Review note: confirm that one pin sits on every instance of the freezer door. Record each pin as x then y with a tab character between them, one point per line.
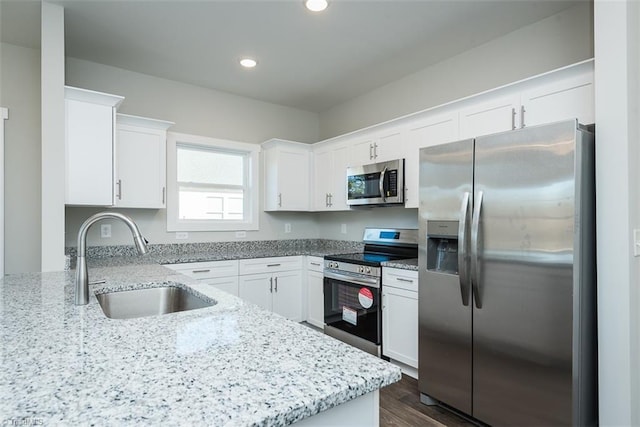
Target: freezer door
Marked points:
446	176
522	266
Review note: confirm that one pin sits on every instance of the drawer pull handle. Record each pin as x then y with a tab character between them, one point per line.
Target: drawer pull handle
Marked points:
273	265
400	279
317	264
201	271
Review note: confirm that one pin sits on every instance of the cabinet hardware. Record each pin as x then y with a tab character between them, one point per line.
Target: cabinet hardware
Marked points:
375	150
276	280
326	200
317	264
119	194
163	192
201	271
400	279
522	111
513	119
271	285
330	199
279	200
370	151
273	265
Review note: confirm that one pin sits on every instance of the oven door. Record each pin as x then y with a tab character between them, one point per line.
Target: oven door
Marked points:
352	306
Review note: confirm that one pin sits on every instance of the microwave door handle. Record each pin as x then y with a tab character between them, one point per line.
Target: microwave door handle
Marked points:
381	184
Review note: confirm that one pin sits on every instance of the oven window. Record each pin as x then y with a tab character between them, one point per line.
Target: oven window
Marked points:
352	308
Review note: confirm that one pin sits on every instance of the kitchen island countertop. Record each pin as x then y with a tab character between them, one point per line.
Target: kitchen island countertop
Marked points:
230	364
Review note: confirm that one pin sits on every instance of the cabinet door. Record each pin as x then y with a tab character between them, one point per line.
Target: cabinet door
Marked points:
293	180
389	145
287	295
287	177
338	193
226	284
322	178
140	167
315	299
362	151
400	325
256	288
89	153
565	99
487	117
434	130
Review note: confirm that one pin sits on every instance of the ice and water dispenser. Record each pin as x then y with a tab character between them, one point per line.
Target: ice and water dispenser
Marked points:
442	246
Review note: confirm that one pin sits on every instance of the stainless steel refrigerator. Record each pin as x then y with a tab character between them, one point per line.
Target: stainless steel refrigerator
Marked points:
507	276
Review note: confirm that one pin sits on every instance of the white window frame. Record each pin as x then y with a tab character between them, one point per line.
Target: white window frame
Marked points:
250	222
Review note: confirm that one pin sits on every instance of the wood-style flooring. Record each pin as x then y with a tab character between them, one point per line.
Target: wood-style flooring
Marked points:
400	407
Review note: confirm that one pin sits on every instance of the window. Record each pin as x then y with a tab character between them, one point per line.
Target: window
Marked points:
212	184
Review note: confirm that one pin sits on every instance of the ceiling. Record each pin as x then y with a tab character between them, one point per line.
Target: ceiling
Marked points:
310	61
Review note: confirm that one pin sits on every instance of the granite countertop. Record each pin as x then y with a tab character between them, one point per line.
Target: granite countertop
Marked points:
108	256
230	364
405	264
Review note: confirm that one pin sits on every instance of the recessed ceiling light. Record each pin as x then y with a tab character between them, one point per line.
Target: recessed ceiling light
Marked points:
248	62
316	5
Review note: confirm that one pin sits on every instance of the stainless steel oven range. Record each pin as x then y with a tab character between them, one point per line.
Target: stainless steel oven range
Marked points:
352	282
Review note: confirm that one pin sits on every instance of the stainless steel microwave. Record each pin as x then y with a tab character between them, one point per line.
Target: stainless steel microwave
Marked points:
376	184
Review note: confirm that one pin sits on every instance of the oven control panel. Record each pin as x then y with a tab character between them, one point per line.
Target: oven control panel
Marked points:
347	267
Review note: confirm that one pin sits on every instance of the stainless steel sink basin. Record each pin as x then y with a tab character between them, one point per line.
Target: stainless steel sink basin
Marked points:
149	302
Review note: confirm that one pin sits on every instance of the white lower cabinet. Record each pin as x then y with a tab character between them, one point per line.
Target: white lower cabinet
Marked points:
274	284
315	292
221	275
400	316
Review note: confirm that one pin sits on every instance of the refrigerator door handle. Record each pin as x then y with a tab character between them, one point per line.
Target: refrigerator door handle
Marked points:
475	265
381	184
463	246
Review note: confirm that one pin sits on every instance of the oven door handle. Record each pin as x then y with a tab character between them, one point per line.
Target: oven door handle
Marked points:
372	282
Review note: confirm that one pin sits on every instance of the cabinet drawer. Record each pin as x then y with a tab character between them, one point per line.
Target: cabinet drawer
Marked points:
227	284
269	265
207	269
400	278
315	263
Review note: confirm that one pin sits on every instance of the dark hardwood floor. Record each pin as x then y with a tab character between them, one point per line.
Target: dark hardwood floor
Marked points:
400	407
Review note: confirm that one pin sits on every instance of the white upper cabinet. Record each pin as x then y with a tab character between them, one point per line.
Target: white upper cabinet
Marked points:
89	146
330	162
570	97
424	132
141	146
499	114
287	167
380	146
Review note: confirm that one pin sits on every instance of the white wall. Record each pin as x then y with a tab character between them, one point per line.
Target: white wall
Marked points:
199	111
617	67
551	43
53	124
330	223
194	109
20	93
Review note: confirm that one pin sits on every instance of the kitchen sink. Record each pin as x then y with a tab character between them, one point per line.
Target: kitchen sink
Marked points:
150	302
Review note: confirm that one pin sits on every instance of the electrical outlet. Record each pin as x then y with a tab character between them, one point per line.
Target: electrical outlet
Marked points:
241	234
105	231
287	228
343	228
182	235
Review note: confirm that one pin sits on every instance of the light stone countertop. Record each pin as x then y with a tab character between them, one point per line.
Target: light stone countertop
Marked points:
231	364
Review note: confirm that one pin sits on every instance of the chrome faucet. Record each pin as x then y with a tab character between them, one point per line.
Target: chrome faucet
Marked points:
82	276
